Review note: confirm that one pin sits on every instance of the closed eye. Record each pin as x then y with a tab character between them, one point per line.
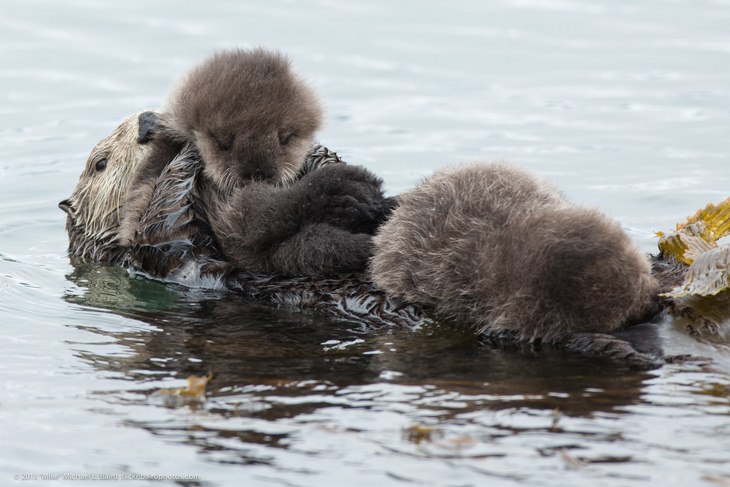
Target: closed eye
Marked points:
285	137
223	143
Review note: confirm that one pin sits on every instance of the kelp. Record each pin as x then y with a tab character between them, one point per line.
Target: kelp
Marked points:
686	243
191	395
716	218
695	243
708	275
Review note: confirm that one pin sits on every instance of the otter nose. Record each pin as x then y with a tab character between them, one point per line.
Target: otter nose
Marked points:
65	205
256	171
258	174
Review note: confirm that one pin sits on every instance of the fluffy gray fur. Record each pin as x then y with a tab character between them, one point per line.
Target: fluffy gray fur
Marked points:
513	256
248	114
321	224
253	120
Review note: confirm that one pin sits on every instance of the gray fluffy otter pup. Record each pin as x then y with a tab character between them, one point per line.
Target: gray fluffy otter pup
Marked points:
495	247
253	120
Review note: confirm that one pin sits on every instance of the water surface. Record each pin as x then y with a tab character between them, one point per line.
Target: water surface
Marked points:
625	105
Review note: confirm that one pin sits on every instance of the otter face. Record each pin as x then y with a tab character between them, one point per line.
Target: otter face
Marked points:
261	154
249	116
94	209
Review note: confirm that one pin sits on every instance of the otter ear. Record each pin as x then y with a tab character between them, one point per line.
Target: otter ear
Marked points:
147	121
65	205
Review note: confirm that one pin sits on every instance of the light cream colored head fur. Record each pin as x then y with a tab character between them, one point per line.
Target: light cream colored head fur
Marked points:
95	208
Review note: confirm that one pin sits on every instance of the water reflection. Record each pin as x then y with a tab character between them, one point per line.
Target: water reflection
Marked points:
280	370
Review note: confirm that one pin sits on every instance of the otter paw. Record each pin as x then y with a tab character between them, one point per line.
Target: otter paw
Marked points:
347	197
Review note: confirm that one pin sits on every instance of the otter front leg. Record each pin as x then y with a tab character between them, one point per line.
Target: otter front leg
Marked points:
321	249
262	229
142	187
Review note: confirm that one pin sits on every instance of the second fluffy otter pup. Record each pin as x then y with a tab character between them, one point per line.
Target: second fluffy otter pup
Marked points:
494	247
253	120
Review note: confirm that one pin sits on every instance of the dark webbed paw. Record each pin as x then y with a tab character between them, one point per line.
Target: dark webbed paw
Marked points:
344	196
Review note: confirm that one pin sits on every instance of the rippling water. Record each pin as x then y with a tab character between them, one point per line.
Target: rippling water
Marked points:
625	105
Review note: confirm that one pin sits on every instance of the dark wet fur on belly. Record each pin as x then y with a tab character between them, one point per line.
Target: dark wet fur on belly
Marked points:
173	230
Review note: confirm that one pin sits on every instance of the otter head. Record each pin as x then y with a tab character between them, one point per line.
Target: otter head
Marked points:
249	116
94	209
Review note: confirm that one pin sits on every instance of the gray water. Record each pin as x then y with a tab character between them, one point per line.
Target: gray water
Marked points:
623	104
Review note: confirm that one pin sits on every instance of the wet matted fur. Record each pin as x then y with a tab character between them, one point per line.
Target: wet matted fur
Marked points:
94	209
496	248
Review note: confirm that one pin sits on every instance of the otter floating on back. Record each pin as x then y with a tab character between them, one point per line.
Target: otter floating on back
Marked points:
176	234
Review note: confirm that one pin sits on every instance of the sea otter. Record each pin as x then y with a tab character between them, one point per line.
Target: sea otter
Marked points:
253	120
494	247
177	235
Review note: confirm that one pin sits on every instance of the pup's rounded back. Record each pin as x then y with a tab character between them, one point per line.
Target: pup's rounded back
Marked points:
495	248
